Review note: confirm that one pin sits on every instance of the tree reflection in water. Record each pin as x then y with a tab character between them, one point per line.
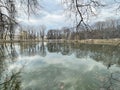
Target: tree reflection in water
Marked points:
104	53
108	55
31	49
9	80
8	53
42	50
111	82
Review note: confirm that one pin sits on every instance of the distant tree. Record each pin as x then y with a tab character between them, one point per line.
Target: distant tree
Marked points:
42	32
65	33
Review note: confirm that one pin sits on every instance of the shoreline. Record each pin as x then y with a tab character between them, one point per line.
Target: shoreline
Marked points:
115	41
101	41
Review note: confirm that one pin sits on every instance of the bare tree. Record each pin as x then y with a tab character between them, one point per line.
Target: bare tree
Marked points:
82	9
8	10
66	33
42	31
32	6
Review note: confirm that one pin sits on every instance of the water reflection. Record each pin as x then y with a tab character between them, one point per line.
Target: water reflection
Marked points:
11	81
31	49
111	82
7	54
105	53
59	66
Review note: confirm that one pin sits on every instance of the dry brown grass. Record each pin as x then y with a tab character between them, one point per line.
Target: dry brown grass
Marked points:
101	41
86	41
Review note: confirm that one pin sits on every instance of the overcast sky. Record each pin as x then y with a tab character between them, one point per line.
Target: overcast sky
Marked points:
53	16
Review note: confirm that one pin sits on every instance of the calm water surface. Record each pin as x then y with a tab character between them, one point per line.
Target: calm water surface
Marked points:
56	66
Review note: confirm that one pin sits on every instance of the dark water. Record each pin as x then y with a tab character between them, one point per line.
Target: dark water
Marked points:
57	66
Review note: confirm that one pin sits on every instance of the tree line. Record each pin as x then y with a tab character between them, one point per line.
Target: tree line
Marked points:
32	33
99	30
79	9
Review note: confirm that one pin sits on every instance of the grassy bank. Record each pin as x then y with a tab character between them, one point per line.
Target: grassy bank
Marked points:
99	41
18	41
86	41
94	41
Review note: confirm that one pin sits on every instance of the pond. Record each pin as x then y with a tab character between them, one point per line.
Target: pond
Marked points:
59	66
